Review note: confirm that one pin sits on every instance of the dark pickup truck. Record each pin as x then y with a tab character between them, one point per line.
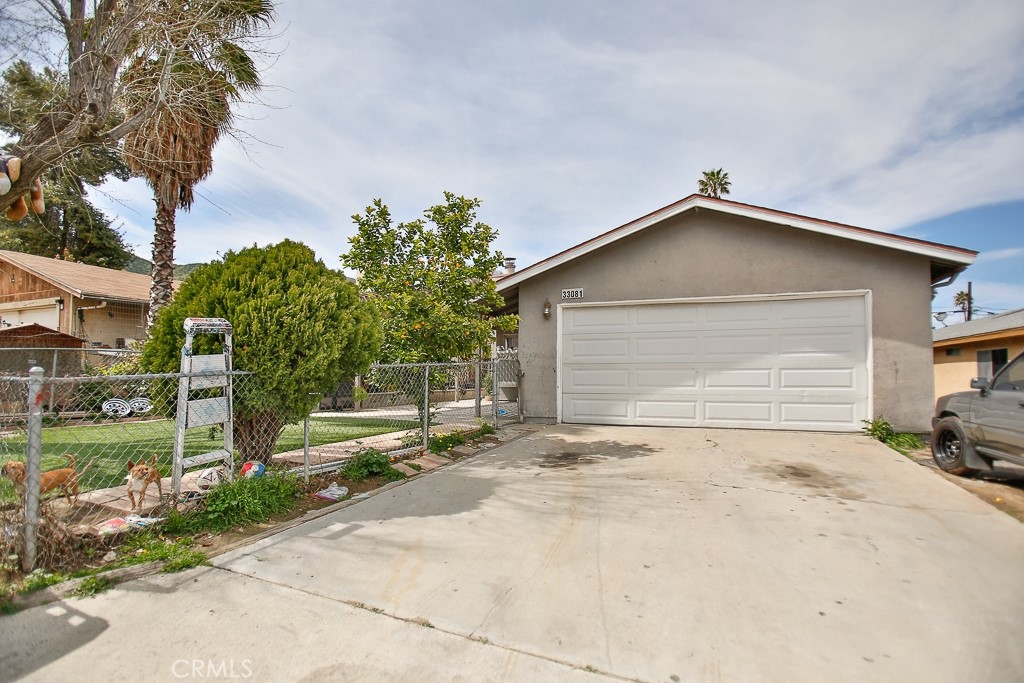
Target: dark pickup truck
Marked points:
971	429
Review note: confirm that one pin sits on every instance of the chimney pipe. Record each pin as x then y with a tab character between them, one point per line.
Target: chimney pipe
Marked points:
510	265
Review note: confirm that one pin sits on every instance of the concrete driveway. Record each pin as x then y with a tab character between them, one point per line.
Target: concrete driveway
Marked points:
593	553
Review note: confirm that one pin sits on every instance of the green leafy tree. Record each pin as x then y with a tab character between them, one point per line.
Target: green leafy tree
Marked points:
431	280
71	227
299	326
714	183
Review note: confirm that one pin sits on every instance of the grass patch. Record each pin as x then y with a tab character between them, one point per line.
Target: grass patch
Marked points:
370	462
446	442
148	546
111	445
238	503
902	442
92	585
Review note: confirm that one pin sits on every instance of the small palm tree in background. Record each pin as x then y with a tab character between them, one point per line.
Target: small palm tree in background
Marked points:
962	300
715	183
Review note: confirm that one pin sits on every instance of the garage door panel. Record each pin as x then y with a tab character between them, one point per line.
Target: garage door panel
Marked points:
738	345
777	364
749	412
746	312
592	349
660	380
664	411
595	408
667	349
842	342
667	317
845	311
760	378
591	380
818	378
799	414
601	319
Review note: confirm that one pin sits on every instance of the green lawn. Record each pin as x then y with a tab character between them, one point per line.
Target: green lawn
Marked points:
109	447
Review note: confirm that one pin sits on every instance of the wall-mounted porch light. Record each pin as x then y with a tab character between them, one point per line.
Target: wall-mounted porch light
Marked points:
547	309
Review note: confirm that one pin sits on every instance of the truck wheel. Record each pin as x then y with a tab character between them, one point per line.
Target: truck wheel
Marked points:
949	447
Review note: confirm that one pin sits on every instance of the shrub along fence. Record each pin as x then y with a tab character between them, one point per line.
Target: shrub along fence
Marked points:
92	426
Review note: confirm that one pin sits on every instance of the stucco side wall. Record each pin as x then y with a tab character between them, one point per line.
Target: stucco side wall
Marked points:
707	254
954	373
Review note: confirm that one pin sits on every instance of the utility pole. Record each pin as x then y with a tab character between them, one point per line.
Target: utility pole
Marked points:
970	302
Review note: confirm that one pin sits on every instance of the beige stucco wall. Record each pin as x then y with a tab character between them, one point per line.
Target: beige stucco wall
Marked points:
103	326
708	254
954	373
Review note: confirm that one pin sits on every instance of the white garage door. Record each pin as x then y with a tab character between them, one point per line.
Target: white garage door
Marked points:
768	364
45	316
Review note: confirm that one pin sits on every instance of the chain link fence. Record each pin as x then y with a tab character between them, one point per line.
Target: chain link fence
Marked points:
93	427
70	362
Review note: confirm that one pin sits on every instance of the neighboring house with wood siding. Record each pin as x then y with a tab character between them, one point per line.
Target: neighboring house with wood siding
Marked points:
106	308
976	348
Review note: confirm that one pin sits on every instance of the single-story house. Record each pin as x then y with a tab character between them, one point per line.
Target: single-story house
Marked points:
107	308
713	313
976	348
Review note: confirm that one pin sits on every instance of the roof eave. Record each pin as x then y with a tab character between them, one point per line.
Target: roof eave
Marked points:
956	257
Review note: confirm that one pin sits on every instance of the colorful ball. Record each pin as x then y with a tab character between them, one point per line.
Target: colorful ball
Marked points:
253	469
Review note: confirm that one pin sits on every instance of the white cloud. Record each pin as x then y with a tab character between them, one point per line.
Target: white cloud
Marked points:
570	118
1002	254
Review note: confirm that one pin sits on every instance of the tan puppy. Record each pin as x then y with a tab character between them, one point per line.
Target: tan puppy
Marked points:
140	476
65	479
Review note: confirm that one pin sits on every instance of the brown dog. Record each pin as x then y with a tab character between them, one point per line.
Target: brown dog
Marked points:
65	479
140	476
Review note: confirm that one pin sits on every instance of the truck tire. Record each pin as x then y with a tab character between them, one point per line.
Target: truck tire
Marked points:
949	447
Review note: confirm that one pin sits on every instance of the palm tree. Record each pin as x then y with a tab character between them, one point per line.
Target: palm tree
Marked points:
715	183
962	300
174	149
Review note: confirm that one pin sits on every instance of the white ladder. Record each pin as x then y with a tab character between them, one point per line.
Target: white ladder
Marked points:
214	373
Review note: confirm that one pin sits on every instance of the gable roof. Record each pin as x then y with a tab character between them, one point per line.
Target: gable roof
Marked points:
981	327
39	336
946	260
83	280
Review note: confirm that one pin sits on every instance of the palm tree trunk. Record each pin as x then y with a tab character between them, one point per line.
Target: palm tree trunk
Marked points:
163	260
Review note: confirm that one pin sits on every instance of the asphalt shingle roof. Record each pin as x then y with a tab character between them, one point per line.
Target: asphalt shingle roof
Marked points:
987	325
84	280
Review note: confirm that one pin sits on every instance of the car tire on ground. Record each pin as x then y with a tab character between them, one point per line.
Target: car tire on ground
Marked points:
949	446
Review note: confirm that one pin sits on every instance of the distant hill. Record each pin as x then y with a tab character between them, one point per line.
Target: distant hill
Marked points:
141	265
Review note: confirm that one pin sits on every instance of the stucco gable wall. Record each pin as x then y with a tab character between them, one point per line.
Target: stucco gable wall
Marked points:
707	254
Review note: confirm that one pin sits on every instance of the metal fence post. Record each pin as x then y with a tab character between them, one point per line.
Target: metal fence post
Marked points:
477	367
305	449
53	387
35	438
426	406
495	389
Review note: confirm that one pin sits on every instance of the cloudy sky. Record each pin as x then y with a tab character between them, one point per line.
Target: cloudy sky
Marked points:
569	118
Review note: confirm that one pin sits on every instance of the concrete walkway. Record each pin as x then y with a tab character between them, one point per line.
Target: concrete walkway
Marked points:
589	553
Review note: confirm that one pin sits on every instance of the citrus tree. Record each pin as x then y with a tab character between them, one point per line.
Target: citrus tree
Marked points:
431	280
299	327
